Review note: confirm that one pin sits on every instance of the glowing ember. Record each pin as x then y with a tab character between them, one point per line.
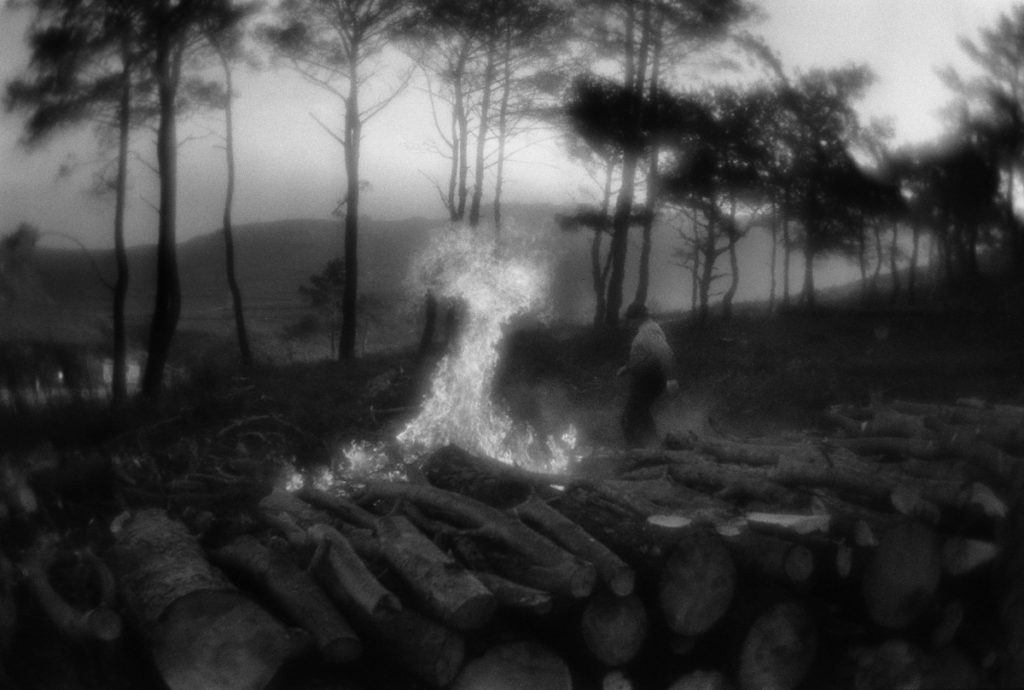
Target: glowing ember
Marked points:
494	284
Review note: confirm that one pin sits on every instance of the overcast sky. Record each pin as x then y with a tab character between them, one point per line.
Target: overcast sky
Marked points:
288	167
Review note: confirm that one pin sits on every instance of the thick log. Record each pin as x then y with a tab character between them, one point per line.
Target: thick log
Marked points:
294	592
891	447
893	664
339	506
779	648
614	628
612	570
730	482
485	479
697	583
346	578
513	595
887	422
963	414
702	680
441	586
339	569
901	664
532	559
627	529
806	466
902	575
432	652
772	557
202	632
962	556
515	666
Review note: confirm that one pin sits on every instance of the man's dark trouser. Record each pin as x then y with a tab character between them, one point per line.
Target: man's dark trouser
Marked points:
645	387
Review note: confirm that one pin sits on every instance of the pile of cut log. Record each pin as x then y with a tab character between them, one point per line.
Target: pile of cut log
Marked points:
889	554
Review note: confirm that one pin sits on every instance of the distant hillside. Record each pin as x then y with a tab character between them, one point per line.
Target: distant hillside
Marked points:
274	258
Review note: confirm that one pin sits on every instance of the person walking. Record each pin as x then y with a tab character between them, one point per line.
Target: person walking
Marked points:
651	370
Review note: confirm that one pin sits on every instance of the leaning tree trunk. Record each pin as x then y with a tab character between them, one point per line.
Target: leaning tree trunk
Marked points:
619	244
353	136
168	287
119	383
481	136
229	242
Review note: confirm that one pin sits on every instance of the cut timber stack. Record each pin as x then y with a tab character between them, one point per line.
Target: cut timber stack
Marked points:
888	554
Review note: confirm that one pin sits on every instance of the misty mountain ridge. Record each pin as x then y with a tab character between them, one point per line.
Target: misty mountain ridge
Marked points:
274	258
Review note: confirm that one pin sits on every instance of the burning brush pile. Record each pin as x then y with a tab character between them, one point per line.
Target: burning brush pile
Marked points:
473	554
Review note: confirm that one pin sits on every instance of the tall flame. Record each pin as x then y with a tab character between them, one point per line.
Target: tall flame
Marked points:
494	284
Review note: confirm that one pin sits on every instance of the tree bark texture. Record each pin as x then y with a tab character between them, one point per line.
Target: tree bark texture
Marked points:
201	631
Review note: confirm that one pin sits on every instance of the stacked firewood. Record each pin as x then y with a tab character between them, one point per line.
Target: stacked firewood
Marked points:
887	553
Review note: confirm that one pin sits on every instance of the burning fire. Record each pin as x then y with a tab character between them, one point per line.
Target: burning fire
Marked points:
495	283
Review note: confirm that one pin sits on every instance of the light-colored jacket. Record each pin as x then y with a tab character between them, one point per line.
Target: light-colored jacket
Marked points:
651	349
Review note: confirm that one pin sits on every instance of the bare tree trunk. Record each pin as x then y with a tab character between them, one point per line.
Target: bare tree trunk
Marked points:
808	289
894	265
912	269
481	137
119	382
229	242
619	245
644	278
879	260
774	259
168	288
862	264
636	69
598	272
787	250
734	265
506	93
353	136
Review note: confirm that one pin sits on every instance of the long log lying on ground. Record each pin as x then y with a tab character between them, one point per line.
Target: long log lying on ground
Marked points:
342	572
611	569
294	592
809	467
429	650
534	560
963	414
346	577
441	585
938	439
202	632
513	595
